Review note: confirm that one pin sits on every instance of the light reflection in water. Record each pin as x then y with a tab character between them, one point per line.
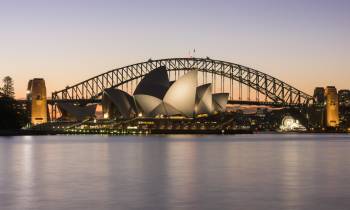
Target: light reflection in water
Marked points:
181	170
290	176
24	169
199	172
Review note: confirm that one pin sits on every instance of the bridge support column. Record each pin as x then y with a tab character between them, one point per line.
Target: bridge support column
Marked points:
38	102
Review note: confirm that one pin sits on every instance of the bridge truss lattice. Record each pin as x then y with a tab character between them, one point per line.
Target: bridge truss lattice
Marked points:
244	84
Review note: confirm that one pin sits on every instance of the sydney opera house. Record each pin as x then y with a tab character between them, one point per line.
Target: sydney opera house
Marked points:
156	97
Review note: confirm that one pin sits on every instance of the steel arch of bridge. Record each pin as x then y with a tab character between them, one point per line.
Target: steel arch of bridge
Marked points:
274	89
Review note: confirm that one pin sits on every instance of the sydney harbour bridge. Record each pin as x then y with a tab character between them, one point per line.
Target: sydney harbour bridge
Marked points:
246	86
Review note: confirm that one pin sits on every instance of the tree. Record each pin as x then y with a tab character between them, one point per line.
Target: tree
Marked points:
7	88
12	115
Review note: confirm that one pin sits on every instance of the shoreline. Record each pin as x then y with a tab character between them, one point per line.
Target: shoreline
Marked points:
120	132
4	133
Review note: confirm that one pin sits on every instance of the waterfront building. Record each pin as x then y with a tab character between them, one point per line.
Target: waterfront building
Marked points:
155	96
317	111
291	124
344	108
319	96
344	98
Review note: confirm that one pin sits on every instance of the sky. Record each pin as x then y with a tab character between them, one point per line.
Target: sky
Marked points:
305	43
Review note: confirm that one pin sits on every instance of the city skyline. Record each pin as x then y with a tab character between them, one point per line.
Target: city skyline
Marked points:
304	43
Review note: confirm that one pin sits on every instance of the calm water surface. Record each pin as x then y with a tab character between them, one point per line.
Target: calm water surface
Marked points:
175	172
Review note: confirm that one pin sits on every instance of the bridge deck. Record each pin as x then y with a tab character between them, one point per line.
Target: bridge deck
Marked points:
231	102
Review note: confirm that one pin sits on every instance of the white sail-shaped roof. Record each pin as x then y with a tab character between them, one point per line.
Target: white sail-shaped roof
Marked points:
70	111
117	103
220	101
182	94
204	100
155	83
151	90
165	109
146	104
155	95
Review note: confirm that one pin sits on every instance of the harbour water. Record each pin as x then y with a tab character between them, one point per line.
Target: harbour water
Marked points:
262	171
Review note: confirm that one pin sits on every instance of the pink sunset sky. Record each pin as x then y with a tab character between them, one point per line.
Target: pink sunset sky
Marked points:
305	43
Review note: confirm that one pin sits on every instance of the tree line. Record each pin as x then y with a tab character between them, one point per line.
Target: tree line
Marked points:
12	115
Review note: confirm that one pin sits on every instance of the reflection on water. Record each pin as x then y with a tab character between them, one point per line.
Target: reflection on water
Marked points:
175	172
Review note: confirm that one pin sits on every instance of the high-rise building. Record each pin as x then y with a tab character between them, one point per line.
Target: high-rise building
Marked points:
332	107
317	110
36	94
344	97
344	108
319	96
